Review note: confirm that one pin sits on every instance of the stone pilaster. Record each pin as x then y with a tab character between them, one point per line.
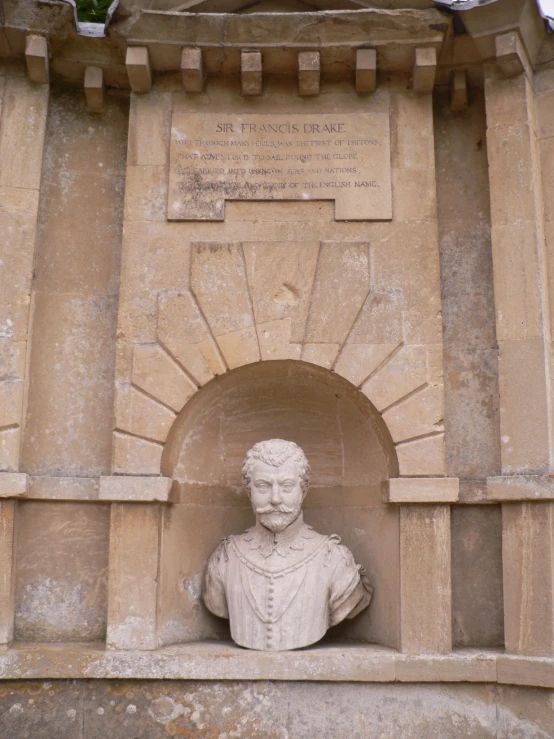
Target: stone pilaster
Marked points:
24	107
524	338
425	579
528	559
135	540
7	569
520	280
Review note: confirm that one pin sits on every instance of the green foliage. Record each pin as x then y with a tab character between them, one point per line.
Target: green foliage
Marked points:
92	11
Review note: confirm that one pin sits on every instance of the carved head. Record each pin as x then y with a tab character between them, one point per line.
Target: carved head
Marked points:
276	474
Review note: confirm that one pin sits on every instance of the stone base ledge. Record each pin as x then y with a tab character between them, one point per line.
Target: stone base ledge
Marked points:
226	661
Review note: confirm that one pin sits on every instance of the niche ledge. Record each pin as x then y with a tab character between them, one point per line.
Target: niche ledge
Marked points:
225	661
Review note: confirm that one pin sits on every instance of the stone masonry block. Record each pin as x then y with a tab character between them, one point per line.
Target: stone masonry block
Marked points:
155	372
184	331
63	488
133	488
149	121
342	299
358	361
140	415
523	407
134	456
280	278
9	449
321	354
274	340
425	457
228	312
139	71
309	72
423	489
471	667
251	74
403	373
515	670
24	112
517	259
419	414
512	488
36	58
13	484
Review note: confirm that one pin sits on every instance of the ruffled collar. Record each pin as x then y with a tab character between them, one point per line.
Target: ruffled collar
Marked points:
267	542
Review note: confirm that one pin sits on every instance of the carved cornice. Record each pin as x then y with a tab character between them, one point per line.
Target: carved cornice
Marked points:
336	35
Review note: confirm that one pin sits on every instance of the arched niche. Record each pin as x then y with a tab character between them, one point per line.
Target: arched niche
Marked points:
351	454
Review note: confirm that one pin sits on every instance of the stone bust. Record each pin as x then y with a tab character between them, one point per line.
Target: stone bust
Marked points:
280	583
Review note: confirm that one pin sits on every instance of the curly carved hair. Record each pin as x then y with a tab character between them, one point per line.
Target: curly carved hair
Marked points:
276	452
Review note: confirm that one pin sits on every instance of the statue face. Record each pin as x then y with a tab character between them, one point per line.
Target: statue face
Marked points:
275	494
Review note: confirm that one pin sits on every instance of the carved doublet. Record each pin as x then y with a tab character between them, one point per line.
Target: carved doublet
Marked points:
283	591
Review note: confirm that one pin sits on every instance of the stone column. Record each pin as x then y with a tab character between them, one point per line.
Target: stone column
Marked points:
524	338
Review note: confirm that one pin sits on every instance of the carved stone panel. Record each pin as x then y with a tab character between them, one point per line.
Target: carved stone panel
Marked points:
343	157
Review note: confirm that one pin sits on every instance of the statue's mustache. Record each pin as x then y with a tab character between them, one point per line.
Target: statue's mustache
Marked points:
274	509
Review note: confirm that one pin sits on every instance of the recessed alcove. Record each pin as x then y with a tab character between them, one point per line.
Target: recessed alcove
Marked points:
351	454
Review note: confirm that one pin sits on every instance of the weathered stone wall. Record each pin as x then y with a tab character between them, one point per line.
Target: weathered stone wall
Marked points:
271	710
140	357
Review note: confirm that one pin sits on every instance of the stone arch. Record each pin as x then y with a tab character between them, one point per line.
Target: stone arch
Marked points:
253	302
351	453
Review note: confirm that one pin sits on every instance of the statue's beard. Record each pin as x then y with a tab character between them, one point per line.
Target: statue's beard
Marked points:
277	518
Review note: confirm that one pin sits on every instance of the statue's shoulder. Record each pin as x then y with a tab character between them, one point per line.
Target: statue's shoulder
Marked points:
338	553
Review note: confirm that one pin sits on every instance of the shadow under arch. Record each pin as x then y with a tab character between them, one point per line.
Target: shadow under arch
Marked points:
351	454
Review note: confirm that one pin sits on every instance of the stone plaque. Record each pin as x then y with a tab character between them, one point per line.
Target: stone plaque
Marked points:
340	157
